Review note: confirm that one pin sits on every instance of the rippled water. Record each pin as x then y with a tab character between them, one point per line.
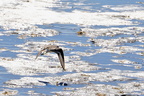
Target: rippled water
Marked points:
105	54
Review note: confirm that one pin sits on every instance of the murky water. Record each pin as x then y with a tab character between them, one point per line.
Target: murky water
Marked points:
111	48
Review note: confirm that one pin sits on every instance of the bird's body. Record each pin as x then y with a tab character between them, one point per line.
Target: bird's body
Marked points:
55	49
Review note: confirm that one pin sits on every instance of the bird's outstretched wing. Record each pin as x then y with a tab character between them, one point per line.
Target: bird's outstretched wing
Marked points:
39	53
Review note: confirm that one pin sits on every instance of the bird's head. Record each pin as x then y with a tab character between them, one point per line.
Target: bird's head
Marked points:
44	51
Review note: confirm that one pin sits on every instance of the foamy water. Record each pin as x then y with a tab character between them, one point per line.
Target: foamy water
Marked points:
102	42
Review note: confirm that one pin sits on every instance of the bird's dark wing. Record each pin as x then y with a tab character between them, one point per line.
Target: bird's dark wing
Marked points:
45	82
61	57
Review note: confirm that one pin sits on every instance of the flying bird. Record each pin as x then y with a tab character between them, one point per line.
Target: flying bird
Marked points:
55	49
